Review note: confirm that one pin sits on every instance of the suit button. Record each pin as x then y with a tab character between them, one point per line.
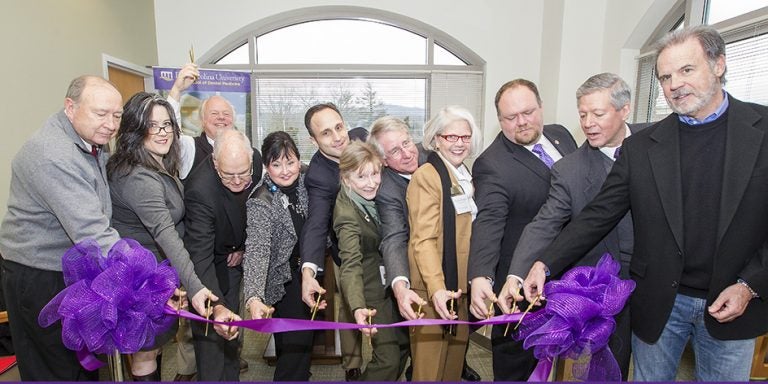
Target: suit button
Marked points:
674	284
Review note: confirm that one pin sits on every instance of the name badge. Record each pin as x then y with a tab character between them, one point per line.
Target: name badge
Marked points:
461	204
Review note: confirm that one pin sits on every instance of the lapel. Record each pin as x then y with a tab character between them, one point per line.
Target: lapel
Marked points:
559	145
526	158
742	147
233	211
206	146
596	171
391	180
366	223
664	157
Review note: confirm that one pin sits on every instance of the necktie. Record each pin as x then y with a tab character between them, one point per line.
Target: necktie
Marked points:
539	150
616	153
95	151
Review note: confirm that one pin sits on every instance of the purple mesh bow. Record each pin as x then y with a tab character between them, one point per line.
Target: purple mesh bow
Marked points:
111	303
577	321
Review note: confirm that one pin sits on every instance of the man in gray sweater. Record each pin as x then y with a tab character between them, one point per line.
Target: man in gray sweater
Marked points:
59	196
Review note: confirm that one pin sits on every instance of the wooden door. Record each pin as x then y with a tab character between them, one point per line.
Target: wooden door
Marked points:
127	82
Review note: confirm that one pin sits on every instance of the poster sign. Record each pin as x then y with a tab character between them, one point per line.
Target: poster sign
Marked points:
209	81
232	85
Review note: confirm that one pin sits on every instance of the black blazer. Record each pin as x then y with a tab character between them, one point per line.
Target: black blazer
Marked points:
647	178
322	181
511	184
215	223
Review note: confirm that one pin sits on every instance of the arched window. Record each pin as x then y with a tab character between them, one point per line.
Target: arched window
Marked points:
744	27
370	63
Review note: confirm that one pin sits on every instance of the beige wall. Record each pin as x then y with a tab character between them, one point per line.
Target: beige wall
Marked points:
46	43
597	36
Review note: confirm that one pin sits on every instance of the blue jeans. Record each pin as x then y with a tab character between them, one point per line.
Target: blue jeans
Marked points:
716	360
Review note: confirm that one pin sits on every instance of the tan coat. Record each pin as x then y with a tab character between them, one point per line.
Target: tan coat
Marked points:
436	356
425	247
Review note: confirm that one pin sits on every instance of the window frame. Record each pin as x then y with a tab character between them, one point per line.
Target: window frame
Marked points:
692	12
475	65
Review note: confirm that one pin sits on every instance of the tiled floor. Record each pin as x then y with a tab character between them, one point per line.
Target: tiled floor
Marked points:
255	343
479	358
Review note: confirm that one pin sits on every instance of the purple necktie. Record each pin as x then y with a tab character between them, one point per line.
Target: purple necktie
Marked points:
616	153
539	150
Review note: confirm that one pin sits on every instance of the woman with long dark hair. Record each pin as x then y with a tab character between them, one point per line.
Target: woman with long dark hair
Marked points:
148	201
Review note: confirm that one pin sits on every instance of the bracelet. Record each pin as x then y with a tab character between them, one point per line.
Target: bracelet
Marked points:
751	291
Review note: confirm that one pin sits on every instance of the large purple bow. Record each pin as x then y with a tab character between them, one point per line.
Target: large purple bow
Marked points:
113	303
577	321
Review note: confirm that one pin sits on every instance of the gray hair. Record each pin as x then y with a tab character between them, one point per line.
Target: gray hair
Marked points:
621	95
204	105
233	141
383	125
436	126
709	38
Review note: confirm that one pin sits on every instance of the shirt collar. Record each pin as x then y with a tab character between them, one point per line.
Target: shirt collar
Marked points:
609	151
719	112
89	147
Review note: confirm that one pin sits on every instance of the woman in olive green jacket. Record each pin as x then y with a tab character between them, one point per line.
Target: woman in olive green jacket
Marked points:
362	275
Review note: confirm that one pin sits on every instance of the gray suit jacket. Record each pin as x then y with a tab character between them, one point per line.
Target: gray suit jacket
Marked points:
393	212
576	180
511	184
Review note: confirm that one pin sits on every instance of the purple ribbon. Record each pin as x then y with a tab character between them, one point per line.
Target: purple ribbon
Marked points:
111	303
118	303
277	325
577	321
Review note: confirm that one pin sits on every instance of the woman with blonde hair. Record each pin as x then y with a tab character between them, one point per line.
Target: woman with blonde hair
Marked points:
362	275
441	209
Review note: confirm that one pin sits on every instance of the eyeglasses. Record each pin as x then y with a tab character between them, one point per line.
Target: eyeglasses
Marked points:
229	177
155	128
455	138
397	152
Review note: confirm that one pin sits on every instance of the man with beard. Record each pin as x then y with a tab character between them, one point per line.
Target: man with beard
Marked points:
603	104
512	181
696	182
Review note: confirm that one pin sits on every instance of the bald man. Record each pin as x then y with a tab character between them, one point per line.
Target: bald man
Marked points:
59	196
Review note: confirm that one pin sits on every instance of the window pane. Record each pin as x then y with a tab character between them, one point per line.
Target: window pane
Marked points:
456	88
281	104
747	76
660	108
443	57
646	80
238	56
720	10
341	42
